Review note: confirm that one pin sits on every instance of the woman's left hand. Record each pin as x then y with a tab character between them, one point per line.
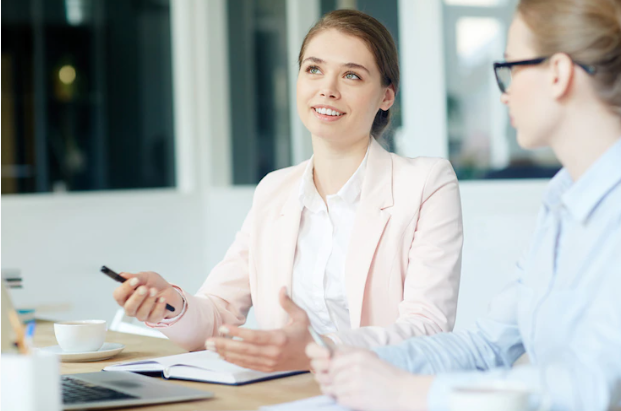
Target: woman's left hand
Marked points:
360	380
267	351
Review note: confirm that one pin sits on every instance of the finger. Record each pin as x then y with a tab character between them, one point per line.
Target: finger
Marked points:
223	345
294	311
323	379
159	311
272	337
125	290
315	351
320	365
135	300
255	363
128	276
147	305
327	390
355	357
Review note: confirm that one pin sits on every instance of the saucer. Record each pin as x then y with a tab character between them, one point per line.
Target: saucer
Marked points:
107	350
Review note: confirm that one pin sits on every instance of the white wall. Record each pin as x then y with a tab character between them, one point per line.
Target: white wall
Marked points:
59	242
499	218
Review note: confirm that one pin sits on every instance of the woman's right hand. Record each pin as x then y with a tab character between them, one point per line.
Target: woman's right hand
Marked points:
144	295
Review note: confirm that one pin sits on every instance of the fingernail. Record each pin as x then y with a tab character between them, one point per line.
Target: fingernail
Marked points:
210	345
223	330
161	299
133	282
142	290
153	292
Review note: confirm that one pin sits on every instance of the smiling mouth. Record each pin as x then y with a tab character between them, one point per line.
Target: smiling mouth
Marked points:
328	112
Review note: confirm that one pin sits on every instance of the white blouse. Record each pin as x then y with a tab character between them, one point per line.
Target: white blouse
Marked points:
318	284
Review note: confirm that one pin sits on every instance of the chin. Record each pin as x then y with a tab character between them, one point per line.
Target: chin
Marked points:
529	141
326	131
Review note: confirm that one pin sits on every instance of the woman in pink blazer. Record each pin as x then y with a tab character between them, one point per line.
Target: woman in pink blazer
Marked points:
367	242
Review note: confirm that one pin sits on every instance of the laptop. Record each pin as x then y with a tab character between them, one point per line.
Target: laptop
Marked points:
104	389
112	389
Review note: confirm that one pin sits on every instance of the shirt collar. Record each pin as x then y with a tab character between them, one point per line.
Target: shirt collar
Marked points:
350	192
583	196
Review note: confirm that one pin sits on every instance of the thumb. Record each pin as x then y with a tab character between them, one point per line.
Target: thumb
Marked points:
294	311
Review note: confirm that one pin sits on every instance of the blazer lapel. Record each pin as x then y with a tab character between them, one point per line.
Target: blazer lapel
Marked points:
286	239
371	218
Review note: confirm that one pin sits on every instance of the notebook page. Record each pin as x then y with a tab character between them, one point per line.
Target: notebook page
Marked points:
200	359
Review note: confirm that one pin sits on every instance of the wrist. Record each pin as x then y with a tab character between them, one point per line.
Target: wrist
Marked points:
174	298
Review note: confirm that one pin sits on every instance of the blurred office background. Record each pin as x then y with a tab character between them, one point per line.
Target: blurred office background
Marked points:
134	132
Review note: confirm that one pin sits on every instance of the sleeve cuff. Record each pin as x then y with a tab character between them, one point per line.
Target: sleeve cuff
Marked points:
167	322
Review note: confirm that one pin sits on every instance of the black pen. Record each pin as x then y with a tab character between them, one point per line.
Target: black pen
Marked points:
120	279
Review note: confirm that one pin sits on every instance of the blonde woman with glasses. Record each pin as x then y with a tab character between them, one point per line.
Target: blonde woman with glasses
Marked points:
562	85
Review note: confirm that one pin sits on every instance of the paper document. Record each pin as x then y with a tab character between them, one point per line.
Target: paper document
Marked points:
203	366
321	403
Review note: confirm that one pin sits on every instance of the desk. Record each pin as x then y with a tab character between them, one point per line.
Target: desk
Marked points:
137	347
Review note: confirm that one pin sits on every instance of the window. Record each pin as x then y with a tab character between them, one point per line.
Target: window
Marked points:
86	95
482	143
258	88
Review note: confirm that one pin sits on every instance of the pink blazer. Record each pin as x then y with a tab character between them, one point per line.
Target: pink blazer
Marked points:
402	269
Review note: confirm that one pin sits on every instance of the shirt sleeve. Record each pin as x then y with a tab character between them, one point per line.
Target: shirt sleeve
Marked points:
170	321
431	283
495	341
584	374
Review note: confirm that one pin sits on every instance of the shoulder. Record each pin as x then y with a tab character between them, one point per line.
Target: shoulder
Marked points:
430	173
279	183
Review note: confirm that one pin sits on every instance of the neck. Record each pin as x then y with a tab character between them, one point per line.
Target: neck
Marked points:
584	137
334	164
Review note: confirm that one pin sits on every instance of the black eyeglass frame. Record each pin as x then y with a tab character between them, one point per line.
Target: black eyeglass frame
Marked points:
532	62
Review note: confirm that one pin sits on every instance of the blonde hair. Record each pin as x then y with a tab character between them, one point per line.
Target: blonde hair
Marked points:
381	44
588	31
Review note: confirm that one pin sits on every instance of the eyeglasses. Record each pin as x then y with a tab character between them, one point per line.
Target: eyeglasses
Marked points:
503	70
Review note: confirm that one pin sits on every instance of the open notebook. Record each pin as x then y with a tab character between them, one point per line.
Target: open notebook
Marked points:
203	366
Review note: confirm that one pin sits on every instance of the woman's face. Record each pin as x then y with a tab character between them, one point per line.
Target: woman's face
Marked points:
339	89
532	108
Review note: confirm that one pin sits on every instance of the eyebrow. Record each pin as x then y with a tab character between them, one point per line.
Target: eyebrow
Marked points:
348	65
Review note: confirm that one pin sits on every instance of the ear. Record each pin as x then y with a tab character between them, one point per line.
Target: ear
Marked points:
389	98
561	74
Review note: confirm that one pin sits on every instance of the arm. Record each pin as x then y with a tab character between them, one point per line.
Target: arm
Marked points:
585	374
495	341
223	298
432	280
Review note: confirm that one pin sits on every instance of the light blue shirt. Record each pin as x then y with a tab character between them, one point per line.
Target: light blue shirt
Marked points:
564	308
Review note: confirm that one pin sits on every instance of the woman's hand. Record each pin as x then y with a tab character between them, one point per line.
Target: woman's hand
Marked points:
267	351
144	296
358	379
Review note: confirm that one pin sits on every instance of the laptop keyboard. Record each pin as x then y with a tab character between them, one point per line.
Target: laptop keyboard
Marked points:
78	391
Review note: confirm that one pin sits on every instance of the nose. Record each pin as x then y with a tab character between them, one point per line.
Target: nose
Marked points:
504	98
329	89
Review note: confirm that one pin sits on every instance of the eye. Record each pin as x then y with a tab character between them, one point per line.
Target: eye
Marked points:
352	76
313	70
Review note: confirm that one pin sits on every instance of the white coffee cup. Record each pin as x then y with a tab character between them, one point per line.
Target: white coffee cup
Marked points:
494	396
80	336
